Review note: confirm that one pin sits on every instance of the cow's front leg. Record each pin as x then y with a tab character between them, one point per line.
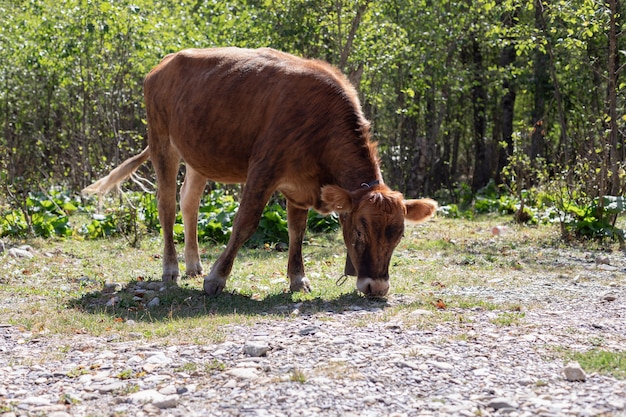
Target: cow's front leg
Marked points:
190	195
246	221
296	218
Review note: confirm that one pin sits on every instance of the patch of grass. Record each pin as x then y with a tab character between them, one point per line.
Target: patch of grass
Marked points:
601	361
78	371
508	318
66	289
214	366
187	367
126	374
297	375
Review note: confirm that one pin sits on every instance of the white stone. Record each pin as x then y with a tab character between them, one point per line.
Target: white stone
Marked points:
256	349
243	373
574	372
146	396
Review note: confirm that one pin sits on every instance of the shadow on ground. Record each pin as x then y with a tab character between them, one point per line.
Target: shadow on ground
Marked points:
136	301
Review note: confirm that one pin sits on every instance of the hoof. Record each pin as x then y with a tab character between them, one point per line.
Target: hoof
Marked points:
213	286
301	284
194	270
170	278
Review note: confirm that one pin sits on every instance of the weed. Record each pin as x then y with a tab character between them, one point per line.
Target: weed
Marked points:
603	361
508	318
187	367
297	375
130	389
76	372
126	374
214	366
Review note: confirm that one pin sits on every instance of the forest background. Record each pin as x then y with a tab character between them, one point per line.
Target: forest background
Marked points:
463	96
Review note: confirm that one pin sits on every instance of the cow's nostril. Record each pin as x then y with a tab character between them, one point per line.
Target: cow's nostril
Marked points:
373	287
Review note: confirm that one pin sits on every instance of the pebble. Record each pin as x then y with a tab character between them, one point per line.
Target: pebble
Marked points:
502	403
244	373
359	361
21	253
574	372
153	303
146	396
256	349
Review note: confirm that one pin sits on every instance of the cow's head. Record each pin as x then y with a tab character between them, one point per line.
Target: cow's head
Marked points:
372	219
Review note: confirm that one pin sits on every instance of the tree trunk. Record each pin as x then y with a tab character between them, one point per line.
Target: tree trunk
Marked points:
616	149
564	145
482	171
541	90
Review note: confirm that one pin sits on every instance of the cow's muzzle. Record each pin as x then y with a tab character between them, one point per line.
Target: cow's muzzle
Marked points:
373	287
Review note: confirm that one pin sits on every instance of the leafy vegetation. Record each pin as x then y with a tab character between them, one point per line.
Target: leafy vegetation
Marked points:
603	361
527	95
58	214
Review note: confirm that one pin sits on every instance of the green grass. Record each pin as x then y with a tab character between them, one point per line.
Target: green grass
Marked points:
63	289
508	318
601	361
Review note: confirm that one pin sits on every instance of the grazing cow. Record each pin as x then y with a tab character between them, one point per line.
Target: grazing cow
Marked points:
274	122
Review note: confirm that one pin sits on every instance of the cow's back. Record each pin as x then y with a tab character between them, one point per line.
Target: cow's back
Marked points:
227	108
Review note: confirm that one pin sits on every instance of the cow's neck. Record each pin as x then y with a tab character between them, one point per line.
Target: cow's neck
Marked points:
358	174
353	161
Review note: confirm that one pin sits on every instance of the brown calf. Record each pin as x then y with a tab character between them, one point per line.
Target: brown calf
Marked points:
274	122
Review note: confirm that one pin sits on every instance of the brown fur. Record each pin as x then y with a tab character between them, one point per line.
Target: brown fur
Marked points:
274	122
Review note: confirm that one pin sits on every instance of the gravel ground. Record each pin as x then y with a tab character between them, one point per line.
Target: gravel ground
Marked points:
354	362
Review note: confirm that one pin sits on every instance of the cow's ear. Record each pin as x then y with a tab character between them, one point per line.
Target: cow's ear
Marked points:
336	199
420	210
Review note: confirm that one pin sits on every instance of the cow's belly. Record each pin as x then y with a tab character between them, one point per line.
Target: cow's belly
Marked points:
219	170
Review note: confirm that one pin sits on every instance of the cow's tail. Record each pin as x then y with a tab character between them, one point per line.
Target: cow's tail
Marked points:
119	174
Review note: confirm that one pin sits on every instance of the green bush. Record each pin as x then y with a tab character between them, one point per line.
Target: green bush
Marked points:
43	215
47	215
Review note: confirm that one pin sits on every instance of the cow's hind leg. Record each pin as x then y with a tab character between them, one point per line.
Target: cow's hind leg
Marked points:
166	162
190	195
254	198
297	219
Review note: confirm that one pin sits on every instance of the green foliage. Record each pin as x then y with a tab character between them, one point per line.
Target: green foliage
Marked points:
319	223
71	99
217	212
602	361
44	215
594	221
272	226
49	215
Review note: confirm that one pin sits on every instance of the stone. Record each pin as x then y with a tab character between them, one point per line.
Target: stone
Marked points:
154	302
244	373
36	401
502	403
256	349
147	396
169	402
361	361
109	387
159	358
309	330
574	372
444	366
20	253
